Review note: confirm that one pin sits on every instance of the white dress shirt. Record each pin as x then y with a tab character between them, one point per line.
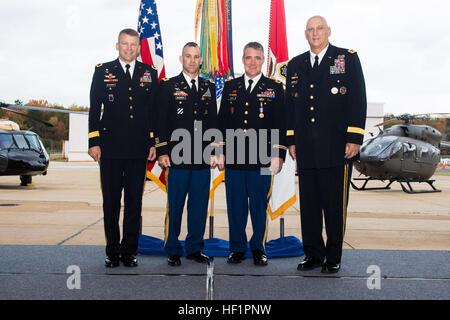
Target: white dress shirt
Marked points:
321	55
188	80
132	65
255	81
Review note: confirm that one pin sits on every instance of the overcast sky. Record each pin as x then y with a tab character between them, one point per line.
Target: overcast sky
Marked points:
49	48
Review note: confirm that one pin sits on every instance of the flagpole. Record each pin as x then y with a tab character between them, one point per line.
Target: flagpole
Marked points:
277	59
211	218
282	225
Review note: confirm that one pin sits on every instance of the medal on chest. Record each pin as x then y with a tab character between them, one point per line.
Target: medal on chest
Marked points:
261	110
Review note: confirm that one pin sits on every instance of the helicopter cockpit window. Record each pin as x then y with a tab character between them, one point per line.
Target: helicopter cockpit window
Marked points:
409	147
423	152
33	141
6	141
21	142
380	146
396	150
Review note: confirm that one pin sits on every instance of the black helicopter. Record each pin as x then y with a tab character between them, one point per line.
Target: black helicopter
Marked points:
21	152
403	153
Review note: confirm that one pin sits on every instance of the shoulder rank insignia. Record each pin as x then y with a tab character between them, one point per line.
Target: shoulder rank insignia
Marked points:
211	80
155	68
98	65
277	81
351	51
165	79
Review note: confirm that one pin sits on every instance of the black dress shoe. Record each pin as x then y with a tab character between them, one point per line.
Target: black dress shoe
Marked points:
174	260
112	261
309	264
236	257
329	267
198	256
259	258
129	260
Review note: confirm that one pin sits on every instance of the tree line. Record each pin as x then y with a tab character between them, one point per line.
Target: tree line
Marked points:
52	137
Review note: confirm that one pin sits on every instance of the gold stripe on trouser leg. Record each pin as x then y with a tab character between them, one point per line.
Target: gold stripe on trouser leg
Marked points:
344	204
166	223
267	214
344	200
142	196
145	177
101	187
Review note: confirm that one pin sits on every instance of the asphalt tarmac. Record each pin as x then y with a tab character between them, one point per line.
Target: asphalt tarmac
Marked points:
58	222
65	208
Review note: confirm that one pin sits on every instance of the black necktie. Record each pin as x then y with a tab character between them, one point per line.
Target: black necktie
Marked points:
316	63
193	87
249	89
128	71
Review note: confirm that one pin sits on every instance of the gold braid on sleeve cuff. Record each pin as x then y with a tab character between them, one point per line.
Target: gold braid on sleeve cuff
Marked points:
162	144
355	130
94	134
217	144
279	146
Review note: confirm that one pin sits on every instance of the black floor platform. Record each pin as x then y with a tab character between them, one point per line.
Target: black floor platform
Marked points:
45	273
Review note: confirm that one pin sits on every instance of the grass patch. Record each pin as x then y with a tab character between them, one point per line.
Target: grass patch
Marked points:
442	173
57	156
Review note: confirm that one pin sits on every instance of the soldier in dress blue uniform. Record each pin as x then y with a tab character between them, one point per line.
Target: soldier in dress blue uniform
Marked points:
121	140
186	106
326	107
252	107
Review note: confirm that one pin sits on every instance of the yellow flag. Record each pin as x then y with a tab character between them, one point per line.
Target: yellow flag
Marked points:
198	14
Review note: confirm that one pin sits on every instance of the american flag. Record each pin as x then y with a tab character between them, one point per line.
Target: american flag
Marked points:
152	54
220	83
150	35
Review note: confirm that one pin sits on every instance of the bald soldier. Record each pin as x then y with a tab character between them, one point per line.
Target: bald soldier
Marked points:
326	107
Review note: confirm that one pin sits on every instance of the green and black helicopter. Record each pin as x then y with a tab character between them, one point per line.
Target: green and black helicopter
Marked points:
21	151
406	153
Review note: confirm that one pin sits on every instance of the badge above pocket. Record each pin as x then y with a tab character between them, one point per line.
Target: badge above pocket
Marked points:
180	95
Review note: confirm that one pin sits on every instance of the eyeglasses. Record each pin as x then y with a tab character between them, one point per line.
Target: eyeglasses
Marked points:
318	29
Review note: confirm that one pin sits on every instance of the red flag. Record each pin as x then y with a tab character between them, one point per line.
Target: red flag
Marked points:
278	50
283	189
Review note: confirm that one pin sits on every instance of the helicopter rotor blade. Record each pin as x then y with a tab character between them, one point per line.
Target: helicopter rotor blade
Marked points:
28	116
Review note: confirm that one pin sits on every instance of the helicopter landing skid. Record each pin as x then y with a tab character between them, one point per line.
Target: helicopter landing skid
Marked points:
409	190
366	180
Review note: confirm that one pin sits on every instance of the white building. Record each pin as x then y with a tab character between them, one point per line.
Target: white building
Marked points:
77	147
375	115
